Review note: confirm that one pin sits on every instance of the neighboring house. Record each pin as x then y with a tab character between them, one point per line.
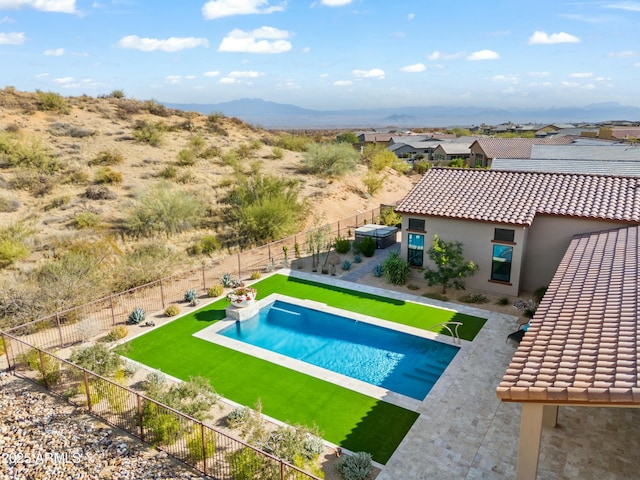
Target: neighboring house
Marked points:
411	149
620	133
484	150
374	137
581	348
515	225
603	159
445	152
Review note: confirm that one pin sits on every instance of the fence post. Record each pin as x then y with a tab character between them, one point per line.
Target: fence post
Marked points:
113	313
44	374
204	280
338	228
59	329
239	268
5	346
162	294
86	388
281	470
204	448
140	416
356	220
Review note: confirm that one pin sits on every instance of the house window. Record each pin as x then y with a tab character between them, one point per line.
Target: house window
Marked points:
417	224
415	255
501	264
503	235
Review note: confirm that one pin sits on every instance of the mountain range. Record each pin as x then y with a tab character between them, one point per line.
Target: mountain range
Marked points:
272	115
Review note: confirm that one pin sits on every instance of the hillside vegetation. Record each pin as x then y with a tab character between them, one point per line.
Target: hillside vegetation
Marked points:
102	194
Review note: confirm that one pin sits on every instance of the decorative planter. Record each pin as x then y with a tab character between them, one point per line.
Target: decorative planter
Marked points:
242	297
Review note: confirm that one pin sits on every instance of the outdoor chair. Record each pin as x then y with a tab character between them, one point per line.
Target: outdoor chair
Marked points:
518	334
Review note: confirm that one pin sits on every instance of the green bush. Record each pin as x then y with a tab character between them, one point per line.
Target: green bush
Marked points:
86	220
186	157
155	108
51	365
172	310
238	417
355	467
367	246
14	240
373	182
32	155
388	216
106	175
107	158
145	263
148	132
247	464
99	359
421	167
117	333
195	447
330	160
503	301
209	244
294	143
161	426
538	294
215	291
342	245
50	101
277	153
474	298
395	269
8	205
168	172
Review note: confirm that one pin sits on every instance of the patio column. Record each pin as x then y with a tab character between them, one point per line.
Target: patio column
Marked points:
529	446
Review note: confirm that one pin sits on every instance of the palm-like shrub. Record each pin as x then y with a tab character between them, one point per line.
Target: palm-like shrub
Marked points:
136	316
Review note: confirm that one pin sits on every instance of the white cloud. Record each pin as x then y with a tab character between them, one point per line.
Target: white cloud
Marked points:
58	52
636	65
411	16
484	55
543	38
245	74
625	54
172	44
227	80
12	38
629	6
415	68
507	78
436	55
60	6
588	86
226	8
343	83
335	3
212	73
539	74
373	73
42	75
581	75
261	40
289	85
63	80
173	79
6	20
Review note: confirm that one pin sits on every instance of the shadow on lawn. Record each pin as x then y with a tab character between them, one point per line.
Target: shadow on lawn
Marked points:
210	313
380	431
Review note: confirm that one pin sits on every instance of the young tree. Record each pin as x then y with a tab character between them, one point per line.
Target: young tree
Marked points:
451	268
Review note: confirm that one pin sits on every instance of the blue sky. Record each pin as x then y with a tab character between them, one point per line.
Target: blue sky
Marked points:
327	54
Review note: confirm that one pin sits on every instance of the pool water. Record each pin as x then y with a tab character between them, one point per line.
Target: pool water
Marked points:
397	361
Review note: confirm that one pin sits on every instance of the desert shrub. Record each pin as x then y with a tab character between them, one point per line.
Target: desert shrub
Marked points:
148	132
195	447
215	291
144	264
382	159
137	316
161	426
51	365
277	153
230	159
436	296
474	298
395	269
36	183
86	220
346	265
126	108
367	246
186	157
99	359
330	160
377	271
168	172
155	108
107	158
32	155
457	163
106	175
256	274
77	177
294	143
99	192
373	182
238	417
355	467
172	310
58	202
190	295
194	397
14	240
357	258
162	209
50	101
342	245
503	301
117	333
8	205
247	464
421	167
208	244
210	152
117	94
388	216
295	443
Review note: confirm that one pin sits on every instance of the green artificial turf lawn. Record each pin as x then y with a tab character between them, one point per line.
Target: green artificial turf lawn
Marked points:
347	418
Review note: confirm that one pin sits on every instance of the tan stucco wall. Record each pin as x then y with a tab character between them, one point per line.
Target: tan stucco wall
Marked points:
476	239
548	240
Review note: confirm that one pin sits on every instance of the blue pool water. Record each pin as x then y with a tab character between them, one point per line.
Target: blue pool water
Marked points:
396	361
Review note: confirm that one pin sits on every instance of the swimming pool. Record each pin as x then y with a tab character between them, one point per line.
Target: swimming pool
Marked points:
397	361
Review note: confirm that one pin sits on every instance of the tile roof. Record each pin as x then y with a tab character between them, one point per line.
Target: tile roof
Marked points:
583	342
516	147
517	197
627	168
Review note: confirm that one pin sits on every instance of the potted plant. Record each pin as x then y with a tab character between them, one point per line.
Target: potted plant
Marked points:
242	296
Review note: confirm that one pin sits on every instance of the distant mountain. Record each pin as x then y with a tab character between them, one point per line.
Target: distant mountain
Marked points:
273	115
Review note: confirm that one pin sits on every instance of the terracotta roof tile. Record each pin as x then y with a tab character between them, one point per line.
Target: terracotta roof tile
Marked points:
516	147
592	352
517	197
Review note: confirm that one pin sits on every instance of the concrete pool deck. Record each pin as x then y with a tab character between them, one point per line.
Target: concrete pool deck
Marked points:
465	432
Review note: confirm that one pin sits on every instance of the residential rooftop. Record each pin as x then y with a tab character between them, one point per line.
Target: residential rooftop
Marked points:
516	147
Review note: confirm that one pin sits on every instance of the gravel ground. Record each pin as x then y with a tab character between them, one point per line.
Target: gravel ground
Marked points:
42	437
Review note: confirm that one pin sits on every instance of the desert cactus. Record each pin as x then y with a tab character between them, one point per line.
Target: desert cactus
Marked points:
137	316
191	296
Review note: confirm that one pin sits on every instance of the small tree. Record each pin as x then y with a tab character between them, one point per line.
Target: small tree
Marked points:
451	267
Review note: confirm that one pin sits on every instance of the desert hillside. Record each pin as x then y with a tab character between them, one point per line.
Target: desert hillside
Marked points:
72	169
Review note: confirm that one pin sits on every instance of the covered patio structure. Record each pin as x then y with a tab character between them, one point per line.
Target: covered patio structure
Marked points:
583	343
